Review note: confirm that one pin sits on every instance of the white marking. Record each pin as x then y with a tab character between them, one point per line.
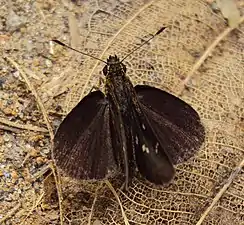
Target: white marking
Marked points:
145	149
156	147
143	127
137	141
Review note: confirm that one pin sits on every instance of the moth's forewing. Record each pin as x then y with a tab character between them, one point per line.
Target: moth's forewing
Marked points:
82	143
176	124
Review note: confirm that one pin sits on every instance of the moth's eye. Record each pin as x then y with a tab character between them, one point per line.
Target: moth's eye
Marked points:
124	68
105	70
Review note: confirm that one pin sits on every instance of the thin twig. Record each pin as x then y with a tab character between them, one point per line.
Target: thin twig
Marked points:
10	213
7	128
93	203
59	190
120	204
42	171
33	208
221	192
201	60
20	126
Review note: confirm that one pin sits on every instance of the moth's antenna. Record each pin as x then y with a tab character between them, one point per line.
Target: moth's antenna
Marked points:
62	44
161	30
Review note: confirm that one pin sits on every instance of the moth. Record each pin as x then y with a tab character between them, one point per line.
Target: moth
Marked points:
127	129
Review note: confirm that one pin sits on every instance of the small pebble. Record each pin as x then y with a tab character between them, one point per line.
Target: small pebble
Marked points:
14	175
6	138
33	152
16	74
48	63
39	160
9	145
46	150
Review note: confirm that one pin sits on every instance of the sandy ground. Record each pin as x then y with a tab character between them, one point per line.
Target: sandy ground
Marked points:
29	78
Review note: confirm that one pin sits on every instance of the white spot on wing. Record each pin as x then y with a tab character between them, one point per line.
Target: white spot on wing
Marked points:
137	141
145	149
156	147
143	127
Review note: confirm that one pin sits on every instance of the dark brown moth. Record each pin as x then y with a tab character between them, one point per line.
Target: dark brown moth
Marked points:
127	129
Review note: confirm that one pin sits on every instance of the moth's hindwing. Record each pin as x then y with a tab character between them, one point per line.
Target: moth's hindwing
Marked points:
176	124
152	161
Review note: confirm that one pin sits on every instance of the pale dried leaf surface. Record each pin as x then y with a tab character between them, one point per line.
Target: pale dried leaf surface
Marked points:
230	11
216	91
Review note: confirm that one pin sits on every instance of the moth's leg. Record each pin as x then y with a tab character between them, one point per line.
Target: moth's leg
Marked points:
125	185
128	175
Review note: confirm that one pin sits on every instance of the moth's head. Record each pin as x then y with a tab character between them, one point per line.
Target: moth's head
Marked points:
114	67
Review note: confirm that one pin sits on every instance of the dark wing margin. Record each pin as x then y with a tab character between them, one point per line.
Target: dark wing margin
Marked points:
176	124
82	143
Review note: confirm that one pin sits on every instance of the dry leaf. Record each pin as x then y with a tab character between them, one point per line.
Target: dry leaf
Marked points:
74	31
209	188
230	11
192	28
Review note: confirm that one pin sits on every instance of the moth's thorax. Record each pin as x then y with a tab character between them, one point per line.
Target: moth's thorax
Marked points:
119	89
